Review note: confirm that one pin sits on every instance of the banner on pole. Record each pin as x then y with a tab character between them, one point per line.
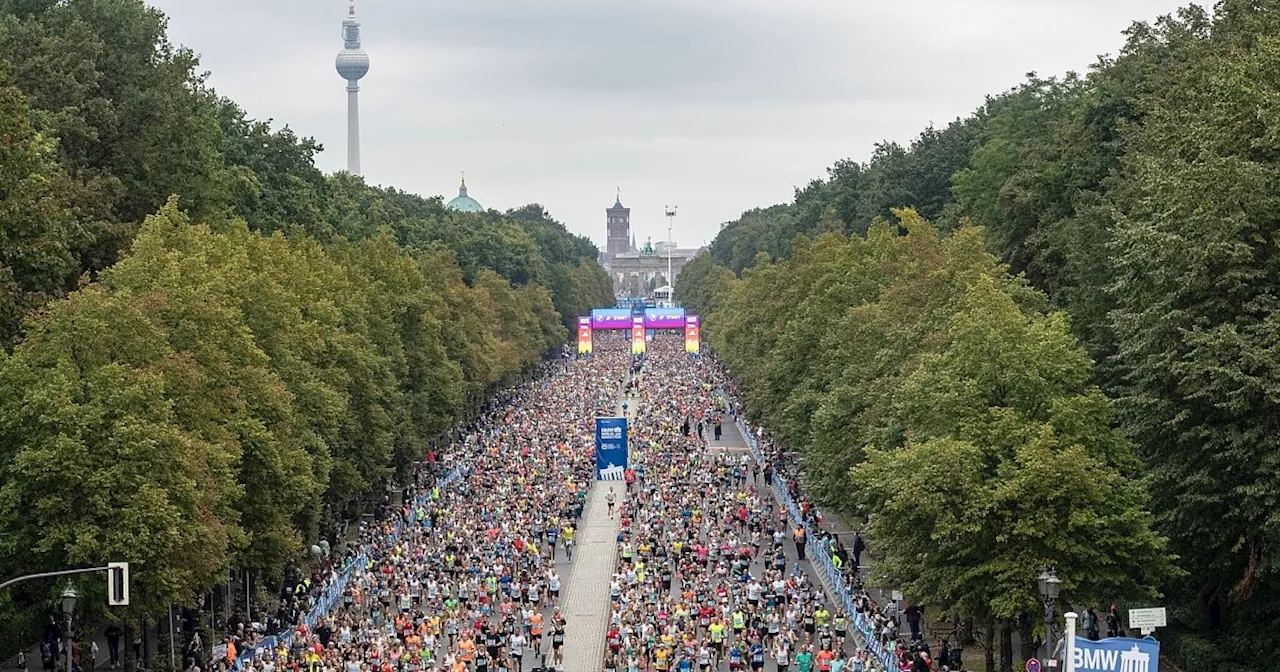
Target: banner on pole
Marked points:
691	334
637	336
1117	654
663	318
584	335
610	318
611	448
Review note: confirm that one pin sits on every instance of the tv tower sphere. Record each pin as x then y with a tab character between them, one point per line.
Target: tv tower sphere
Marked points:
353	64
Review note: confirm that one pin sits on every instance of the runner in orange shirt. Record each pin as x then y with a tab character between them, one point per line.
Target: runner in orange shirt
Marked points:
467	649
823	659
535	630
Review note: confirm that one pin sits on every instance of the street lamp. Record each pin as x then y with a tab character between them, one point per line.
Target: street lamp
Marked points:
69	596
671	216
1049	586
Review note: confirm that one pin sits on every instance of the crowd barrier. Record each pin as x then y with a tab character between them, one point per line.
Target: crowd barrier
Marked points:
820	559
333	593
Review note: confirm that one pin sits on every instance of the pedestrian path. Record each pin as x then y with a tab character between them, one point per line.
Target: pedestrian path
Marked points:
586	602
730	437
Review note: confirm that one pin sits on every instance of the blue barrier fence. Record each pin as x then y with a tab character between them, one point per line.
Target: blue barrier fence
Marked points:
821	559
333	593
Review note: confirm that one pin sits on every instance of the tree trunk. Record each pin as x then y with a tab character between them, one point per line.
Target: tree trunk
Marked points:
127	661
146	643
989	646
1006	646
1026	642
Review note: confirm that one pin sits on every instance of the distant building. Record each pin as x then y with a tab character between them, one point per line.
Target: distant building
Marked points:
638	272
464	203
618	232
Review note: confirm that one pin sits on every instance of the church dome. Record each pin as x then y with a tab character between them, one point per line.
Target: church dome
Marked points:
464	203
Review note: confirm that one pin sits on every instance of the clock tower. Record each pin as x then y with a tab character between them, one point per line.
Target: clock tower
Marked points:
619	229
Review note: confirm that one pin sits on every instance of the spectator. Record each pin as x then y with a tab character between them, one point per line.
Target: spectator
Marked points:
113	634
913	612
1090	623
1113	622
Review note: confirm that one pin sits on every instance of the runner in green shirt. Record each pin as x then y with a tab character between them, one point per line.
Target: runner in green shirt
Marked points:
804	661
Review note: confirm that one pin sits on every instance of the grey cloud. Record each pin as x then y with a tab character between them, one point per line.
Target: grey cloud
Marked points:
638	51
715	105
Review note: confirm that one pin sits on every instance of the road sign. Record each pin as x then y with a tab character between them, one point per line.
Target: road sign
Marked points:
897	595
1033	665
1147	620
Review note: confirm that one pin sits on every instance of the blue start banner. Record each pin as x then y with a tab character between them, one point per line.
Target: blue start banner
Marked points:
611	448
610	318
1117	654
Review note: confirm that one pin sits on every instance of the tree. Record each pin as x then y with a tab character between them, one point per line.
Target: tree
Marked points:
40	231
133	119
928	390
97	463
248	381
406	320
1197	276
1011	464
274	182
702	284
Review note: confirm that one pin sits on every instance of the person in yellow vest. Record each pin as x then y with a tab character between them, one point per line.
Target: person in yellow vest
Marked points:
841	627
661	659
717	632
821	617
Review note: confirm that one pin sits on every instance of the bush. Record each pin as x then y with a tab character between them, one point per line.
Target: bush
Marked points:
1197	653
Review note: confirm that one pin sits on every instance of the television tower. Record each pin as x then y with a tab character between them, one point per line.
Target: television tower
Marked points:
352	64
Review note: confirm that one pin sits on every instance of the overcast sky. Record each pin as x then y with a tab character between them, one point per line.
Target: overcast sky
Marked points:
716	106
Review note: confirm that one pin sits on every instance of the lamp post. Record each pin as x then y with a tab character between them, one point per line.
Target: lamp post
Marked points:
671	216
1049	586
69	596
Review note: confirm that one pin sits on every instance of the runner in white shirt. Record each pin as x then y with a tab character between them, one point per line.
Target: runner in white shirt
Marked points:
516	646
553	585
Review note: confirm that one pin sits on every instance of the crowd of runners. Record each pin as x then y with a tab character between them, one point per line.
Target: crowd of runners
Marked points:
469	577
709	573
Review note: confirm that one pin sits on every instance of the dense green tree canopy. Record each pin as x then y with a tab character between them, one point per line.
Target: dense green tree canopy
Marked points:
1138	199
40	229
930	391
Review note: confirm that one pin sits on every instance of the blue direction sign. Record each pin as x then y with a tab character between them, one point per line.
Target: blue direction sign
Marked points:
611	448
